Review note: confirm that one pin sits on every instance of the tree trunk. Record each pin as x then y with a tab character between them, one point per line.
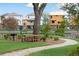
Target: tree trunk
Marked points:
38	13
36	28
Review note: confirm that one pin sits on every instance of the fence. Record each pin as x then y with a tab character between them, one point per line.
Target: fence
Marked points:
72	33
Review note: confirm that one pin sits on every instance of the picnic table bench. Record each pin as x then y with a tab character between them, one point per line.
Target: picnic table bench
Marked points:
31	38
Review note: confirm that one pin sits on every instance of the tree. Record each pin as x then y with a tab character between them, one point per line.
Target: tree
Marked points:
38	10
45	28
45	19
61	29
73	11
10	23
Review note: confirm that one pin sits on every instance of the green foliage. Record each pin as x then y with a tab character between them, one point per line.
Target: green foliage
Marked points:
46	31
19	36
61	30
56	38
71	8
73	11
45	28
63	24
24	35
45	19
7	36
75	52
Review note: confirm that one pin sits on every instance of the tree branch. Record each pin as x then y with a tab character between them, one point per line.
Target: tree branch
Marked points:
41	8
35	5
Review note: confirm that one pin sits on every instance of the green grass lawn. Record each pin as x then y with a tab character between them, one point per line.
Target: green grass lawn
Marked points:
61	51
7	46
76	39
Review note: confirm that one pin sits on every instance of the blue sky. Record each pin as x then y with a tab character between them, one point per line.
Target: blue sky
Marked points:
24	9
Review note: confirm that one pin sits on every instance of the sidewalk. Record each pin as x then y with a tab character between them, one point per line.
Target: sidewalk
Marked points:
30	50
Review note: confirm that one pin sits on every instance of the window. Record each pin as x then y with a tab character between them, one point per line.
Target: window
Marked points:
50	16
31	21
59	22
24	23
29	27
53	21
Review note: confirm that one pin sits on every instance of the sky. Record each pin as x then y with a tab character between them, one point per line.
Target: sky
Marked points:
24	9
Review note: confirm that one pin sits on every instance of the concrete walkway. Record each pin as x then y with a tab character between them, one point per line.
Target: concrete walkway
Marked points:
30	50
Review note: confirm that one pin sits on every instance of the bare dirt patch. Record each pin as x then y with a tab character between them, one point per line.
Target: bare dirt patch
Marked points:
52	42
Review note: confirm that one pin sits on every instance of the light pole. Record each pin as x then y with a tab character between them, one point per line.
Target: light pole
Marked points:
20	25
20	28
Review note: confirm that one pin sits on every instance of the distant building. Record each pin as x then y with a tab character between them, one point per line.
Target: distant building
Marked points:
55	18
17	16
28	22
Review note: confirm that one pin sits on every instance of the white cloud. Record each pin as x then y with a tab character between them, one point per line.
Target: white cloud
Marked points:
59	12
29	5
59	5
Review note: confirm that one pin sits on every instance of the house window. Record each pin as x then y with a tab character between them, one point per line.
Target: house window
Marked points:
31	21
53	21
59	22
50	16
24	23
29	27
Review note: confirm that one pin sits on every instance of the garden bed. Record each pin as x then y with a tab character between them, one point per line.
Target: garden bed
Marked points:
52	42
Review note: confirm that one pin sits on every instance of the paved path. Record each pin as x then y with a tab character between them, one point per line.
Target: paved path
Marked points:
30	50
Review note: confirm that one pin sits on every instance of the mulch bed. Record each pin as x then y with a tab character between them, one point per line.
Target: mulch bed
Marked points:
52	42
49	41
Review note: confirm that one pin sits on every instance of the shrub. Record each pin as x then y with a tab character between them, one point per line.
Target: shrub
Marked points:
60	32
46	31
56	38
43	38
75	52
61	29
24	35
46	27
19	36
7	36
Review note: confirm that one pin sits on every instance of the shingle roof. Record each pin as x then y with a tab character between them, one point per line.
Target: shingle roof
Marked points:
11	14
57	13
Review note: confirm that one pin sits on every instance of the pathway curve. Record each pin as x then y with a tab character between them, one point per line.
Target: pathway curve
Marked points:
30	50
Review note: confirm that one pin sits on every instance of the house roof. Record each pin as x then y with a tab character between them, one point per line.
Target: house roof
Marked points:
11	14
57	13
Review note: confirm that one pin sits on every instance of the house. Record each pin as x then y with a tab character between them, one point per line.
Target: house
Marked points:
28	22
55	18
17	16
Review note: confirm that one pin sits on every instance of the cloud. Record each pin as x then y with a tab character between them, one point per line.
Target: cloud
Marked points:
59	5
59	12
29	5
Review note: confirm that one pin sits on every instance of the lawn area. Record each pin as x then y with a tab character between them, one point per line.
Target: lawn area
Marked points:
61	51
77	39
7	46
